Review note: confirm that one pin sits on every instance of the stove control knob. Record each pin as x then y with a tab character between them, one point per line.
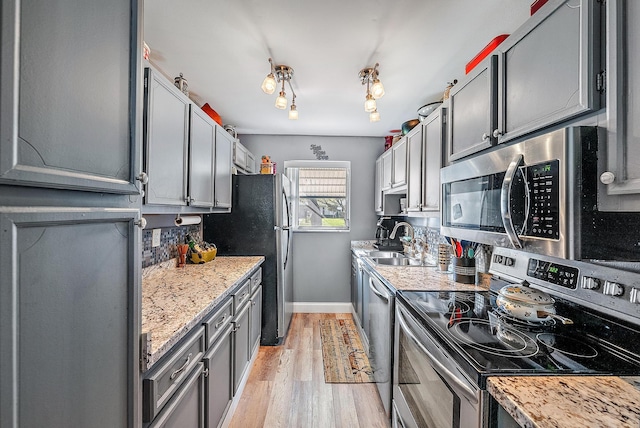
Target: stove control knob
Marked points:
589	283
613	288
634	296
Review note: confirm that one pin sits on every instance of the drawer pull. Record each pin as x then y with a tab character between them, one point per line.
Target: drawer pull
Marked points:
181	369
219	323
244	296
237	327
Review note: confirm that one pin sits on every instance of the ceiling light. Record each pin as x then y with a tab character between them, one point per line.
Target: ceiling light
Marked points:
369	76
280	73
293	113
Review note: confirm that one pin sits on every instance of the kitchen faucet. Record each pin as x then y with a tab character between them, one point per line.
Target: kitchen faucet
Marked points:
407	226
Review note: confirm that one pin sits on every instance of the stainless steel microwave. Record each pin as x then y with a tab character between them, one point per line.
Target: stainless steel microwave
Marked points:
539	195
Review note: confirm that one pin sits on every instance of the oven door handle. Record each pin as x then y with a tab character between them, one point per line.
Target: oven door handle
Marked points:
505	200
469	393
376	292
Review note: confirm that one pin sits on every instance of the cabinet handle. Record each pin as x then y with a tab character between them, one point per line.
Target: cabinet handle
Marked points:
237	327
205	372
485	138
607	177
496	133
244	296
181	369
142	223
219	323
143	178
253	303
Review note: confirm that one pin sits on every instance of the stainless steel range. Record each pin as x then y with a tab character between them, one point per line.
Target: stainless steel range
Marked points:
448	343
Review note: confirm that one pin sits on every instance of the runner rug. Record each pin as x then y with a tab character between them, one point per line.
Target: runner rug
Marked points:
342	353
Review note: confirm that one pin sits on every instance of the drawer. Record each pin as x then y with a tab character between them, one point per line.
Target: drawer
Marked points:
241	297
217	322
256	279
163	381
185	409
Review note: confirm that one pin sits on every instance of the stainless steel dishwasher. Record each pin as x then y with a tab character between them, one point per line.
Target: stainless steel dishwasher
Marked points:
381	313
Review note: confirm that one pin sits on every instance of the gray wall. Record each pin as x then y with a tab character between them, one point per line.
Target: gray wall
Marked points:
322	260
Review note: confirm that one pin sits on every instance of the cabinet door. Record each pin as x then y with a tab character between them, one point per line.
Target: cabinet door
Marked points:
186	408
241	346
251	163
70	317
255	319
239	155
222	183
377	184
219	389
548	68
622	159
473	111
69	94
399	163
434	132
414	171
201	159
387	168
166	141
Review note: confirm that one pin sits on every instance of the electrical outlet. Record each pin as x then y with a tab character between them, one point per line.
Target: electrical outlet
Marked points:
155	237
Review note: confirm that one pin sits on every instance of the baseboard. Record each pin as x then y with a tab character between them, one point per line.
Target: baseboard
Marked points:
322	308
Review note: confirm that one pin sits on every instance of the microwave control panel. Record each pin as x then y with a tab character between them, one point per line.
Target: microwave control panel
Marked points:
544	193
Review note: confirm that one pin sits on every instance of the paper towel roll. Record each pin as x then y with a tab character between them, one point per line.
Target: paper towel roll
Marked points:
188	219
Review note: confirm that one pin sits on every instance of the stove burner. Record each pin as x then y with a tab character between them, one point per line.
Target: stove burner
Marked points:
566	345
462	306
523	324
481	334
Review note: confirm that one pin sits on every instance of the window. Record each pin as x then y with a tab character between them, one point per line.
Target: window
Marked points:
320	194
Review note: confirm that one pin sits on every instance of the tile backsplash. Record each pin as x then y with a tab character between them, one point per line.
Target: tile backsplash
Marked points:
170	237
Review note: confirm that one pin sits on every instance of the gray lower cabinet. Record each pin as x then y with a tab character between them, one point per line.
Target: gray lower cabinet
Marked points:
241	351
219	388
67	122
222	182
620	184
185	410
69	317
255	320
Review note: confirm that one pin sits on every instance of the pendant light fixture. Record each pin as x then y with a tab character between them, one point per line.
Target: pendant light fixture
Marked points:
375	90
280	73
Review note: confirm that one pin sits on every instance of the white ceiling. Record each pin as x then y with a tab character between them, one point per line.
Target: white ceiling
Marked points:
222	48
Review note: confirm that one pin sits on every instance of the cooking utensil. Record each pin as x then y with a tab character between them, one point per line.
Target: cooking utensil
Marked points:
531	312
563	320
427	109
409	125
525	294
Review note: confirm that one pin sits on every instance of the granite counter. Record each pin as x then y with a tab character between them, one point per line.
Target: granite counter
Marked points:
174	300
568	401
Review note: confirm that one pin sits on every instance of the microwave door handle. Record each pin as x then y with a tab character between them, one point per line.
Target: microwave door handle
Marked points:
505	199
441	369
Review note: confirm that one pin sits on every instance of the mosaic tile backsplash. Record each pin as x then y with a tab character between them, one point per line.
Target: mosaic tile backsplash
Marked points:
170	237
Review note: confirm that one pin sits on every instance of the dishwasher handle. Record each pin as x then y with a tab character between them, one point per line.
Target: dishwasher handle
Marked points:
469	393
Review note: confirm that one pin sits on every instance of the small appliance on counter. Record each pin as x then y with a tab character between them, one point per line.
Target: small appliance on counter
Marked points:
383	242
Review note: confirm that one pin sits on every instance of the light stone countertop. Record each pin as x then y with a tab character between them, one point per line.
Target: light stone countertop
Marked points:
174	300
568	401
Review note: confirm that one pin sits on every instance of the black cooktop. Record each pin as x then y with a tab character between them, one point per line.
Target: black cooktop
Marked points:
485	342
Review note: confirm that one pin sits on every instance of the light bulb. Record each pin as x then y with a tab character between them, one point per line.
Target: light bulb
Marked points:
369	104
374	116
293	113
281	101
269	84
377	90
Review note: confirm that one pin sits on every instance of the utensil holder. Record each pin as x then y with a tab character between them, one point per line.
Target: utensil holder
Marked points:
464	270
444	256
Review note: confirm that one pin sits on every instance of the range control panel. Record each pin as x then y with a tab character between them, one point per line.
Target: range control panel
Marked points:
564	276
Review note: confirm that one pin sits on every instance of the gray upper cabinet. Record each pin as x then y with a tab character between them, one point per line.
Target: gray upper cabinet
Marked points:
434	132
386	170
201	159
70	318
414	171
378	186
67	121
222	183
620	183
549	67
399	172
166	141
473	111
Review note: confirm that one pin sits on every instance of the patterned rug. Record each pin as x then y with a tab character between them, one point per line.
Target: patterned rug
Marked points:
342	353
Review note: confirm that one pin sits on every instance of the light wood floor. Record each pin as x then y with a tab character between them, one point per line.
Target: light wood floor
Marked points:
286	387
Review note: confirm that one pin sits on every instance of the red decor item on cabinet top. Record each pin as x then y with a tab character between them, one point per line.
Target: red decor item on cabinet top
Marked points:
537	5
212	113
484	52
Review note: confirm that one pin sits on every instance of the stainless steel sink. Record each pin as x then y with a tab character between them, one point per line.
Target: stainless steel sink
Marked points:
395	261
386	254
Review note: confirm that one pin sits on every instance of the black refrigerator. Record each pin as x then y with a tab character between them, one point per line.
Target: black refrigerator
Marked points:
260	225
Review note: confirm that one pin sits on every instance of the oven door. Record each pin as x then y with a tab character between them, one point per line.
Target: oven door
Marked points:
428	388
